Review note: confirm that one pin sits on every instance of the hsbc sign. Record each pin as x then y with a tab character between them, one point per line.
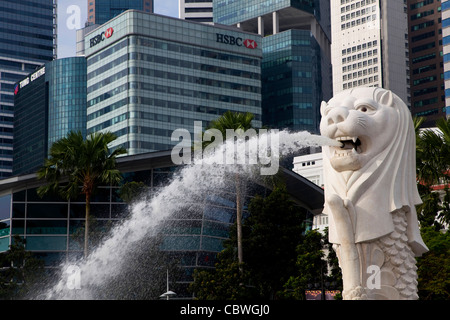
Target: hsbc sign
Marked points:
102	36
236	41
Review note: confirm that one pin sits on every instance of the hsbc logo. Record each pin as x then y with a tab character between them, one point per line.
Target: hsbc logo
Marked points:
109	32
236	41
251	44
102	36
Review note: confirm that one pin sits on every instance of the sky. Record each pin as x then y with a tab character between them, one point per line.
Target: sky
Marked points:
72	14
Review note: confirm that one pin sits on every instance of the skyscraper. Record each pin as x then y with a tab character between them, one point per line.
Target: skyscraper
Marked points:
48	104
426	60
370	45
196	10
27	40
100	11
296	66
446	52
149	74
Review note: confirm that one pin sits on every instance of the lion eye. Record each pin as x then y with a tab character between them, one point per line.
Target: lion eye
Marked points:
364	108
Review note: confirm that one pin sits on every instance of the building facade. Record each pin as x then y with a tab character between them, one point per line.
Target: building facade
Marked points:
148	75
426	60
27	40
48	104
30	122
196	10
446	53
296	69
310	166
194	237
101	11
370	45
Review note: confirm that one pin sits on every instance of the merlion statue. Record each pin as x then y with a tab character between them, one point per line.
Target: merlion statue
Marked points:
371	193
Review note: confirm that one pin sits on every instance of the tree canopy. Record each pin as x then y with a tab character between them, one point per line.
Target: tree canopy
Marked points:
77	166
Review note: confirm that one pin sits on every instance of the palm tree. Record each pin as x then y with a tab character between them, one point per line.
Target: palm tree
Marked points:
433	168
433	153
77	166
235	121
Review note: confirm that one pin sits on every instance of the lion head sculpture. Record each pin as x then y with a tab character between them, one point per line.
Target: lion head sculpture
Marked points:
375	166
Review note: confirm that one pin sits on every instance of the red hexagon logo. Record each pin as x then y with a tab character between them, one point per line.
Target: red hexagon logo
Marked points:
250	44
109	32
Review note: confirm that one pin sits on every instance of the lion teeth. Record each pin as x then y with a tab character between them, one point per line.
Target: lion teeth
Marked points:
345	153
354	139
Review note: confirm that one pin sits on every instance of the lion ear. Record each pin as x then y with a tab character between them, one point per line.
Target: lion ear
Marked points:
386	98
323	105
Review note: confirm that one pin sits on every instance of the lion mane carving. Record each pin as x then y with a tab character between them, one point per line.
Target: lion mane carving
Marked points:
371	193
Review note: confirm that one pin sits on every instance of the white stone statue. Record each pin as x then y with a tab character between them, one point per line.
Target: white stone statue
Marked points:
371	193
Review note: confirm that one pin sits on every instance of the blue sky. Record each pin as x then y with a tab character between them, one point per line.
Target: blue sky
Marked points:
73	14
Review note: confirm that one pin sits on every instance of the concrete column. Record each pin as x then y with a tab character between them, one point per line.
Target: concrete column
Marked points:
261	26
275	23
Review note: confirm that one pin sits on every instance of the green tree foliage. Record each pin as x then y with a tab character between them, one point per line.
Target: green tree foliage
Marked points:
311	266
317	267
21	272
226	282
271	235
434	266
77	166
433	164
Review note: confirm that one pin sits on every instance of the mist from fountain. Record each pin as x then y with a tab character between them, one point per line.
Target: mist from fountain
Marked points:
183	192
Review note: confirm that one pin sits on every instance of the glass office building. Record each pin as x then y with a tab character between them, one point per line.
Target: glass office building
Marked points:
66	80
193	237
446	53
27	40
292	81
196	10
30	122
296	69
101	11
148	75
48	104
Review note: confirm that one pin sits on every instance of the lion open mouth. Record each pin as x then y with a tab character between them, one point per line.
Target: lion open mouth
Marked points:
350	146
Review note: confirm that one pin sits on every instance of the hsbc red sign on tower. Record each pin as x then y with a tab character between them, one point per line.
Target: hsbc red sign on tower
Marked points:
236	41
102	36
251	44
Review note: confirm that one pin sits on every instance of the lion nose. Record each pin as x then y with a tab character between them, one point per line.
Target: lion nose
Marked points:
337	115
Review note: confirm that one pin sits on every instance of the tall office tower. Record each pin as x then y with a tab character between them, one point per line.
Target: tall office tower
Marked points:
27	40
48	103
81	33
296	66
148	75
446	52
100	11
426	60
370	45
196	10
